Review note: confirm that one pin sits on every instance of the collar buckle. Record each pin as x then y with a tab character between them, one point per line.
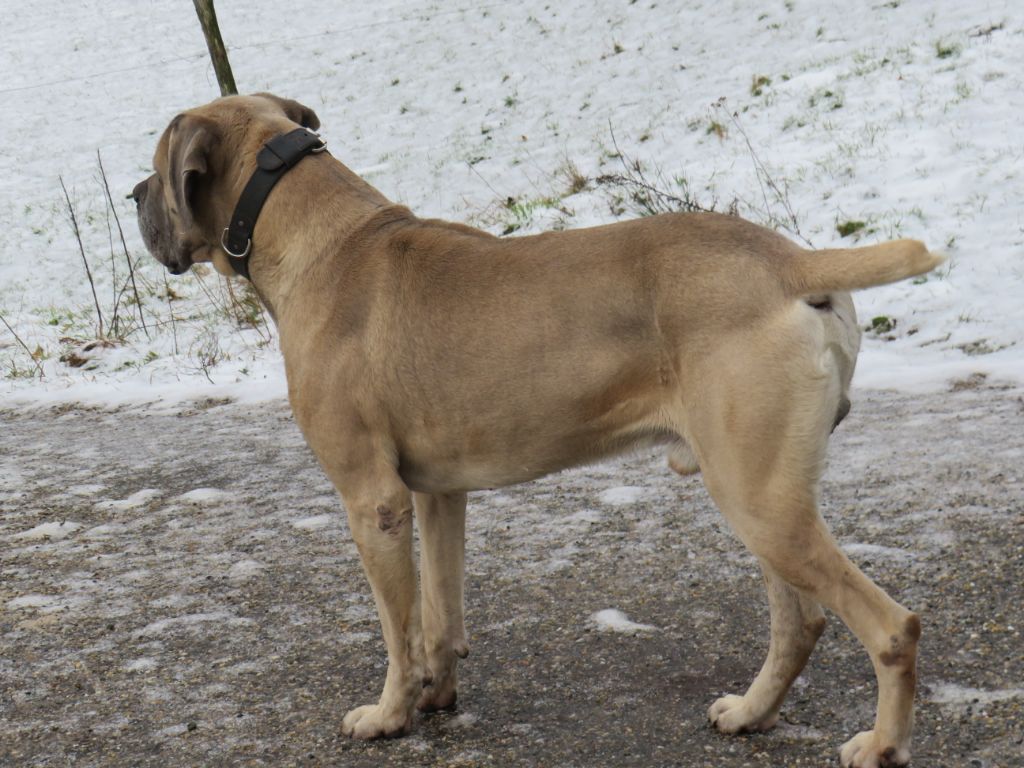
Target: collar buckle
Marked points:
225	236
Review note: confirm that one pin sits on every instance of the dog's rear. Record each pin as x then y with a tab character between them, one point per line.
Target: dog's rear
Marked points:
758	434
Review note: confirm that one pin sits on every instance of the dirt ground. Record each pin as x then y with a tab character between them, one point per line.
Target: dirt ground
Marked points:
177	588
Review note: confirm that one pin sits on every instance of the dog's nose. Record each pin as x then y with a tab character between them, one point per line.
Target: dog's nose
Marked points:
139	193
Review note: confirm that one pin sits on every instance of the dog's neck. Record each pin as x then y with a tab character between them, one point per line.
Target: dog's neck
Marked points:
319	196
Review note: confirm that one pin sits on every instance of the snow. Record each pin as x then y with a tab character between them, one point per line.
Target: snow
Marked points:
32	601
614	620
137	499
862	551
245	569
51	531
192	621
958	695
315	523
204	496
85	489
460	721
143	664
626	494
906	118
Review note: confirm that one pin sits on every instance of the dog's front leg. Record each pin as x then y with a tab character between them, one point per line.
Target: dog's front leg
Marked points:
796	624
379	509
442	524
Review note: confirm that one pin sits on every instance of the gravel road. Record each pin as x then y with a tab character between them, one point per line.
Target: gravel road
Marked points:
178	588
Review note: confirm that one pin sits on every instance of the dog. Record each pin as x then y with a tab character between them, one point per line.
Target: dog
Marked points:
427	359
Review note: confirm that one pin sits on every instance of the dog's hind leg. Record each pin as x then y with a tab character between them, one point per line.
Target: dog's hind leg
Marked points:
782	527
442	524
760	431
380	510
796	624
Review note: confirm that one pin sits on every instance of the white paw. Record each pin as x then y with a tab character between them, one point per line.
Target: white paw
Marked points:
865	750
372	722
733	714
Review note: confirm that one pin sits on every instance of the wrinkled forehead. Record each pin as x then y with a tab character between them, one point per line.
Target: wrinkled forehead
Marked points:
232	115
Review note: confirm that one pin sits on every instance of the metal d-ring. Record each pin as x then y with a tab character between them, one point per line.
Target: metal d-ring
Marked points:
229	252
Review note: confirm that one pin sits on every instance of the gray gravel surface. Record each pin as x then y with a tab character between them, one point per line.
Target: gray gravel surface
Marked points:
192	598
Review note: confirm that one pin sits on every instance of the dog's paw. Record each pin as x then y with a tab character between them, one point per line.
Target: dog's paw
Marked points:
866	750
440	694
733	714
372	722
439	691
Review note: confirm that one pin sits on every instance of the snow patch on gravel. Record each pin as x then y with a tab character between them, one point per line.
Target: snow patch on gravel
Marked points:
137	499
204	496
958	695
859	549
51	531
141	665
88	489
613	620
623	494
192	621
463	720
32	601
315	523
245	569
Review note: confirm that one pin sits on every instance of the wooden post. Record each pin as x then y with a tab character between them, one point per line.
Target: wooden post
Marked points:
219	55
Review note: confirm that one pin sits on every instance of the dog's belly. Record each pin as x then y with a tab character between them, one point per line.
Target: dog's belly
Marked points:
458	467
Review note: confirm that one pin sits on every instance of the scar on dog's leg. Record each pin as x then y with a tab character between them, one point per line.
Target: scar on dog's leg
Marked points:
442	523
796	624
380	516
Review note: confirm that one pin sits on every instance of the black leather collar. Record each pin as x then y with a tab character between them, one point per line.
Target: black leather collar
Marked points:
276	158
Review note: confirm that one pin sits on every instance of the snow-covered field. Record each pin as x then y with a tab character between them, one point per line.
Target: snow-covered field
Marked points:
904	116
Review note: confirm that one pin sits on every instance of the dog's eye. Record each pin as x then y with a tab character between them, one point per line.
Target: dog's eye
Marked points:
138	193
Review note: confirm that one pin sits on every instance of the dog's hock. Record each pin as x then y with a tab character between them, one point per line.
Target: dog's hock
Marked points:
902	651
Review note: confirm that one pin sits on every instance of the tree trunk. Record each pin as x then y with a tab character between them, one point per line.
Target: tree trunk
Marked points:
219	55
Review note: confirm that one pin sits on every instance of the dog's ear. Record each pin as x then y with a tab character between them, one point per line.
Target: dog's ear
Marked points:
296	112
191	144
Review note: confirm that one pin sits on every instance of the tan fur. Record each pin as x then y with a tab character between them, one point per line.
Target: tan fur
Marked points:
427	359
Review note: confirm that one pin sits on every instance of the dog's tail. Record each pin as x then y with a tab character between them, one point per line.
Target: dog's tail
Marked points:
849	269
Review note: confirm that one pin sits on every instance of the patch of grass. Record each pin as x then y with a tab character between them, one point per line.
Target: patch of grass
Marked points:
826	98
881	324
974	381
794	121
947	49
758	84
978	347
576	181
520	212
716	128
847	228
632	189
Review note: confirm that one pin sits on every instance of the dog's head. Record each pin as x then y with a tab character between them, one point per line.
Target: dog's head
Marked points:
202	162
